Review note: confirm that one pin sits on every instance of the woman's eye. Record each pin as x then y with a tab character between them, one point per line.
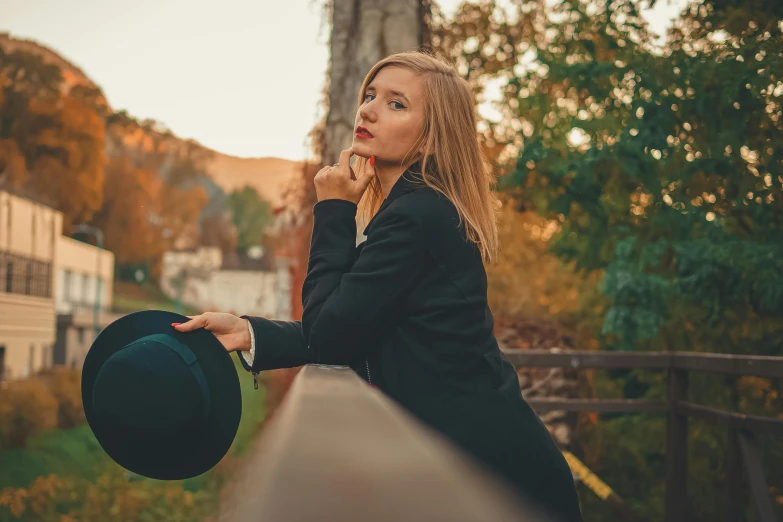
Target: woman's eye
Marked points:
397	106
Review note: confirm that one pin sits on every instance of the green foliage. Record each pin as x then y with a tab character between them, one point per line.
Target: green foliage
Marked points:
251	215
664	169
672	181
63	452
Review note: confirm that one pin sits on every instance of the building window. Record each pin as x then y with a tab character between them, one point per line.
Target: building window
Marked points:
31	361
9	276
28	278
67	286
24	275
85	289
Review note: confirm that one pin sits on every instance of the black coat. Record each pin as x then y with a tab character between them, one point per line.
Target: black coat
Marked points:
407	310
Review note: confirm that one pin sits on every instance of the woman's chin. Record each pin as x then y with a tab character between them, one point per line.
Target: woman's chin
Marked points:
361	149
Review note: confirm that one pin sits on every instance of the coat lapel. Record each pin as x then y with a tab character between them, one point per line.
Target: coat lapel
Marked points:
410	180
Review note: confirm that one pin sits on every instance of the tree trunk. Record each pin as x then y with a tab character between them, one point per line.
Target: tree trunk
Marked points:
364	32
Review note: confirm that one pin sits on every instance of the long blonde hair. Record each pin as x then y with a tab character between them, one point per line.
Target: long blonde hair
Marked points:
452	162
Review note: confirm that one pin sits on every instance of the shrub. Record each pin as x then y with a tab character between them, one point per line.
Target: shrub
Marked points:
65	385
28	407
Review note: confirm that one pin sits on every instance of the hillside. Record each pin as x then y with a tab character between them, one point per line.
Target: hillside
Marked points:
72	75
268	176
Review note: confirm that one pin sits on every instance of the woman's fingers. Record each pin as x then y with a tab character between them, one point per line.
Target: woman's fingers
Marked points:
196	322
364	180
345	157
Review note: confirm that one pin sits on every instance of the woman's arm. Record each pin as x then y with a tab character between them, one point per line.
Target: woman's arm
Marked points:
281	344
346	299
348	303
275	344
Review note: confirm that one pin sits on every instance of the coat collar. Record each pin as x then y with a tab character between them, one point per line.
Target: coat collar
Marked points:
410	180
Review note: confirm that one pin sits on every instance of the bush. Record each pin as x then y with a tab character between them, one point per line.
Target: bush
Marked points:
65	385
28	407
50	399
70	499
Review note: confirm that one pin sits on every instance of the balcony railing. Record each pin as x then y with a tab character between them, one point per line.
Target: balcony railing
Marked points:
73	307
25	276
338	449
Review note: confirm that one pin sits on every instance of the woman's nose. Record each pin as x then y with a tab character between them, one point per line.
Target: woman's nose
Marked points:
367	112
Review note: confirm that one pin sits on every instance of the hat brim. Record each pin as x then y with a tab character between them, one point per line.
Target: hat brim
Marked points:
202	449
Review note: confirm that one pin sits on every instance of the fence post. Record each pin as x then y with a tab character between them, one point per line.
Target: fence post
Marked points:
756	479
676	448
733	495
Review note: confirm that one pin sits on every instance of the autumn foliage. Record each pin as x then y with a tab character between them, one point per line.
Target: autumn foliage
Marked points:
70	499
62	146
51	399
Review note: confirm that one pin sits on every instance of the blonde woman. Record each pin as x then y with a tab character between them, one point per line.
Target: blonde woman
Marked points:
407	309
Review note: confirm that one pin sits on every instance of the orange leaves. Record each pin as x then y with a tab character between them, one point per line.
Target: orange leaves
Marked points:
28	407
130	213
63	141
527	279
111	496
13	167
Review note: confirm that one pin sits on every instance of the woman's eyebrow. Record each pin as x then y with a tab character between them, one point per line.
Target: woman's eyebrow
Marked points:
396	93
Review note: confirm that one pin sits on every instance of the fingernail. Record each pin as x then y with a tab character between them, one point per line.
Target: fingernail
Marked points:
372	161
175	324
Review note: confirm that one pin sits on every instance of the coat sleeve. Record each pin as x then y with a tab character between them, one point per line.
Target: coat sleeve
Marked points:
348	304
278	344
281	344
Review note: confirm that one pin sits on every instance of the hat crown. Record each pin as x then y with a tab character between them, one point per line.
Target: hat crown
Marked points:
153	388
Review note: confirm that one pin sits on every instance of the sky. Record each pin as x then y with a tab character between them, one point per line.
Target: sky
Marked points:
242	77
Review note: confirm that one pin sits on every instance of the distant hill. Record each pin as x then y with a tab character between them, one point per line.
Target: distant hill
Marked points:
269	176
71	74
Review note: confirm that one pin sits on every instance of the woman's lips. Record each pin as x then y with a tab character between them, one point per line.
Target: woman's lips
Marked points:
361	132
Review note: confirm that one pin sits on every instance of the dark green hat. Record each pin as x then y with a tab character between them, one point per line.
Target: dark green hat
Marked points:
162	403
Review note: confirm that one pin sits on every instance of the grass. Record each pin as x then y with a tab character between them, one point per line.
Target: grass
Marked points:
62	452
131	297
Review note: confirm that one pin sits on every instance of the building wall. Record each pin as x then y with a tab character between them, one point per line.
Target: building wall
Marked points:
206	287
28	251
75	334
27	332
75	277
245	292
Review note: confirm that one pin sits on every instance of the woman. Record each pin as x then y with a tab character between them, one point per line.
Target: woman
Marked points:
407	308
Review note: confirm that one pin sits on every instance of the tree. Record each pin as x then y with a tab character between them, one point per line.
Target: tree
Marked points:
361	35
131	202
51	137
251	215
154	192
662	171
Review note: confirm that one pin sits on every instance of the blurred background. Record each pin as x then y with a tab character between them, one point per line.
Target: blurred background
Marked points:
160	155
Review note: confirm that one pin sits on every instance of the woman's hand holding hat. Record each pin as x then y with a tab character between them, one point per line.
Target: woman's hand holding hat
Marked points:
232	331
341	182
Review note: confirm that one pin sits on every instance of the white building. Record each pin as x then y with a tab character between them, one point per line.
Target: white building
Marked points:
204	279
28	249
80	267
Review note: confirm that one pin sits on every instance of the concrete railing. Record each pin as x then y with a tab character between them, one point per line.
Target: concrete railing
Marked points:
338	449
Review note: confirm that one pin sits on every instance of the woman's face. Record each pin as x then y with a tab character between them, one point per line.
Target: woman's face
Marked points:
391	118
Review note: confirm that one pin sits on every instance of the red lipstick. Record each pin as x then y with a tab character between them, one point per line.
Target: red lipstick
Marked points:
362	132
